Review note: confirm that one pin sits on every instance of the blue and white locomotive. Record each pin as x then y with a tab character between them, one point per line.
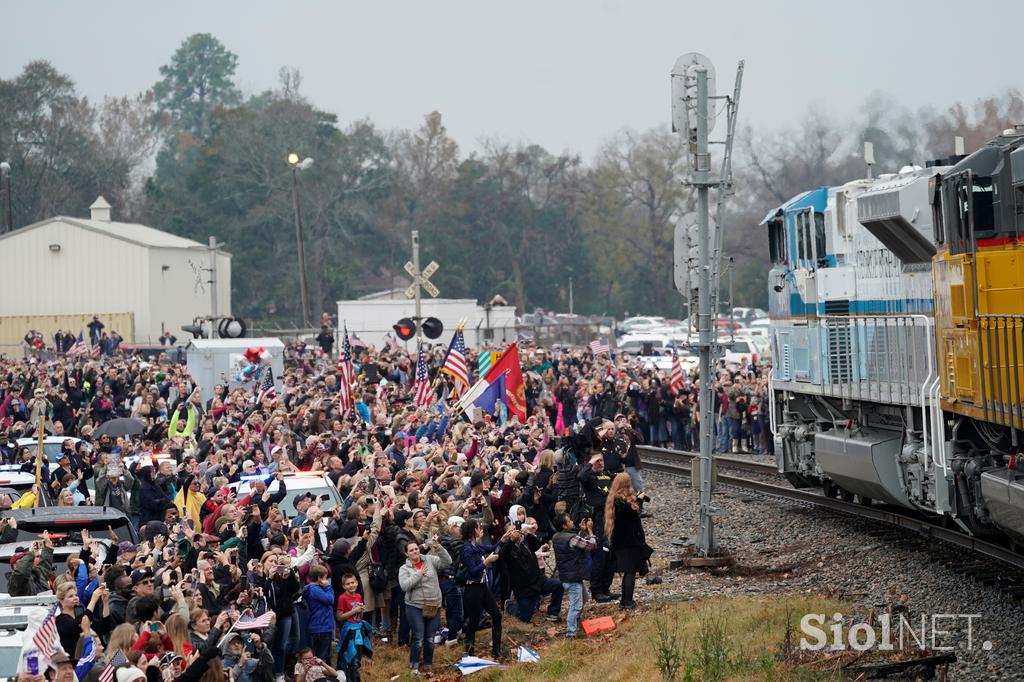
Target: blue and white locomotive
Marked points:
851	302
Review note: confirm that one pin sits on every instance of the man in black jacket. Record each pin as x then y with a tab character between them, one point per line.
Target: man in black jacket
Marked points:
450	578
529	583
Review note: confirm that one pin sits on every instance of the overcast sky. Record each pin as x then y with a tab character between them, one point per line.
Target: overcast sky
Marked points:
565	74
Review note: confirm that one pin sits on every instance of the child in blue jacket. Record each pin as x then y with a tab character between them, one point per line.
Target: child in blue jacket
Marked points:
319	595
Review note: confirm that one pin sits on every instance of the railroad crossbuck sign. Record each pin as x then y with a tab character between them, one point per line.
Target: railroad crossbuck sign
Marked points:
421	279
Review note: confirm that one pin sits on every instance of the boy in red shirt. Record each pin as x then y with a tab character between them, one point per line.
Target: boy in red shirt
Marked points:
352	641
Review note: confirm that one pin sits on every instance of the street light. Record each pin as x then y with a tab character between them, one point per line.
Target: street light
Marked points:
297	165
5	173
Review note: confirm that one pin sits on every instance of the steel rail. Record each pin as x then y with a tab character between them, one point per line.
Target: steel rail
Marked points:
685	456
923	527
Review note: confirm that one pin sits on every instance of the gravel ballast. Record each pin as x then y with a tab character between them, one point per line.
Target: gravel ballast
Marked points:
785	548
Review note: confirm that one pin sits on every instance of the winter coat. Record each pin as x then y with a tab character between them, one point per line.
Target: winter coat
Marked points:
321	607
422	589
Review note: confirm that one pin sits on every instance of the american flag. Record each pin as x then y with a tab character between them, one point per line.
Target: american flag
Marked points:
96	350
599	347
79	347
249	622
115	662
267	389
347	375
675	379
423	392
455	363
45	638
356	341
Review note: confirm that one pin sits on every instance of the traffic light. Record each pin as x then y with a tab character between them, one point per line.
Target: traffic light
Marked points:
406	328
432	327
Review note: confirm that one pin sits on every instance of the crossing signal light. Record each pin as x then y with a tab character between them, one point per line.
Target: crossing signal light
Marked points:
432	327
406	328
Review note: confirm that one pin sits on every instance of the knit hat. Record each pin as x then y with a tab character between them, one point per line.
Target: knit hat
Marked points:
129	674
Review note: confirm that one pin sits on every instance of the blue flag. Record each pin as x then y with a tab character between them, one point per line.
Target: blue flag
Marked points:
492	394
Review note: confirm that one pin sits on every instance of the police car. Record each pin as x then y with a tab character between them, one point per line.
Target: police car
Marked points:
297	483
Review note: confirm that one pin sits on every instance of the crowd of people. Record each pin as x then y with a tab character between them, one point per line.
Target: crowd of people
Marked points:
448	525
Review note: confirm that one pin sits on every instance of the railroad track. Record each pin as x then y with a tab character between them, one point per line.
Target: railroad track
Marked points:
922	530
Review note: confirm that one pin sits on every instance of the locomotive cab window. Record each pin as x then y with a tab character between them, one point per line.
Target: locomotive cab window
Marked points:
777	241
819	235
982	206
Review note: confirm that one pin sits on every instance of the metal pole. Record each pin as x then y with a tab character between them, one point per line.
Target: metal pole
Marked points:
213	284
570	295
5	174
416	283
302	252
701	178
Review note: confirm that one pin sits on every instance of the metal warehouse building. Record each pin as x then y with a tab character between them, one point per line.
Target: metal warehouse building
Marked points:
59	272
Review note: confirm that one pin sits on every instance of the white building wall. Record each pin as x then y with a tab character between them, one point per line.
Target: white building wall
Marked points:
180	290
372	319
90	273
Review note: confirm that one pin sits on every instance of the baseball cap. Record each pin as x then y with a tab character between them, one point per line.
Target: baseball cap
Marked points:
169	657
125	546
417	464
476	479
141	574
298	498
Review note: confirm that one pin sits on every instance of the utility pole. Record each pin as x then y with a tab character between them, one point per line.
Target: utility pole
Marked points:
570	295
420	281
419	292
213	285
303	292
693	115
5	175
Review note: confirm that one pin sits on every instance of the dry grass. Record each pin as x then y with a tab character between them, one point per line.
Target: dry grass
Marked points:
720	639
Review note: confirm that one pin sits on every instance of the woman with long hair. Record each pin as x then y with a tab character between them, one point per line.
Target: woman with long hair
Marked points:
122	638
625	532
178	633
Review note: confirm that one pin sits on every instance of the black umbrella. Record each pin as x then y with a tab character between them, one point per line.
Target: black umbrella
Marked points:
125	426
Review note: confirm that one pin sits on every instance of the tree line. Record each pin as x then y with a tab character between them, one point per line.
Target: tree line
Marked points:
197	157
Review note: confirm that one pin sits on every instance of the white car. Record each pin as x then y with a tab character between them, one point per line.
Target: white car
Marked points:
297	482
742	350
640	324
17	615
51	445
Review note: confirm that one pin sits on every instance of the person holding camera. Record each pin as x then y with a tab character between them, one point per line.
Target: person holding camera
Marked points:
477	596
418	578
281	590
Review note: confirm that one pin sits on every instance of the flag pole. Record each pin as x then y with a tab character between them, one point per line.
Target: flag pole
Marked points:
39	459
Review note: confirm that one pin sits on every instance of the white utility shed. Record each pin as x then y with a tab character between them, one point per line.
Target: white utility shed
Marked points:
66	266
209	358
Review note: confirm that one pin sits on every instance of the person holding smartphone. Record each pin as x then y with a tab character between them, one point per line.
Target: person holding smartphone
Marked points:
477	596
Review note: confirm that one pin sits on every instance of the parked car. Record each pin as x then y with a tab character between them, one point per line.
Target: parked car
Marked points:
297	482
639	324
65	526
17	614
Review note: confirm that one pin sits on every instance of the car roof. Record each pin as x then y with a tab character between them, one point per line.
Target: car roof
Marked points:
69	518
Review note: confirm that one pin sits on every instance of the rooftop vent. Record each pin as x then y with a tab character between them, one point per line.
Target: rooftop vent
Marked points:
100	210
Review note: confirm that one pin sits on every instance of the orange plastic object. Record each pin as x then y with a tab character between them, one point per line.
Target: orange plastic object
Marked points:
595	626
